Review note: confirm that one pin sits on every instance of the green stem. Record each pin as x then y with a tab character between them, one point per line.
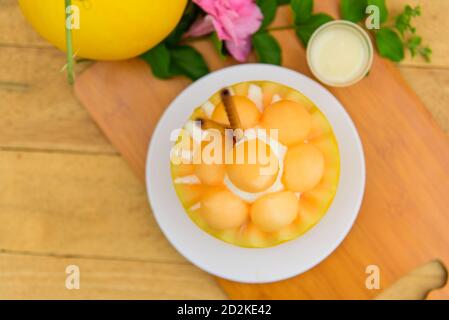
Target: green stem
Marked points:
292	26
69	47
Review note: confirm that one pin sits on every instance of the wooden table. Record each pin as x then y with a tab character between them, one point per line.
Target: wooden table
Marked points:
67	197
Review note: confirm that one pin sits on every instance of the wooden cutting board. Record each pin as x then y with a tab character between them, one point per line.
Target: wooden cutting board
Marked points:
404	220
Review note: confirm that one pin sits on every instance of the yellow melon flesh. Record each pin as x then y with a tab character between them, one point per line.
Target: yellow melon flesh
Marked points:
248	113
183	150
210	174
252	236
241	89
274	211
181	170
211	169
291	119
328	146
320	126
252	174
189	194
295	96
270	89
275	217
222	209
308	215
303	167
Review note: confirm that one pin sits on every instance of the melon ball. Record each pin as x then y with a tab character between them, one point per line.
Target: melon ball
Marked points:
211	169
223	210
274	211
253	167
247	110
210	174
303	167
290	118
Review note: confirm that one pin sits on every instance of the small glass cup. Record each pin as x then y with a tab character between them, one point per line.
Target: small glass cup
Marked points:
365	45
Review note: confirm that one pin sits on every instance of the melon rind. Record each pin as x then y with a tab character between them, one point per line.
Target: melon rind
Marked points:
313	204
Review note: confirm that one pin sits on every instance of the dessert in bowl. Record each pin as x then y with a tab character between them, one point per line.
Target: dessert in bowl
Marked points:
288	171
245	248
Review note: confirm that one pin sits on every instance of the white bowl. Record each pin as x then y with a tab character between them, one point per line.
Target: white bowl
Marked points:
251	265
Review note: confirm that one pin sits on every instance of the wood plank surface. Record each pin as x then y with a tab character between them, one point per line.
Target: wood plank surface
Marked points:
432	26
38	112
432	86
403	221
101	279
14	31
77	205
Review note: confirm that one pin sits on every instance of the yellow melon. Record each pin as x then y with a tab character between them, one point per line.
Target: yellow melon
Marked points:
311	169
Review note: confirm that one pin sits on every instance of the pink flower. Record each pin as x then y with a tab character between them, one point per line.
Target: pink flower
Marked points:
233	20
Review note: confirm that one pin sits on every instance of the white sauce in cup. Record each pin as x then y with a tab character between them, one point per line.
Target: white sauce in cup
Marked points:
340	53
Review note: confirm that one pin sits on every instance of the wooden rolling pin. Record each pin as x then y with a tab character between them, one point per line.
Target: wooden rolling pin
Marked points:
417	284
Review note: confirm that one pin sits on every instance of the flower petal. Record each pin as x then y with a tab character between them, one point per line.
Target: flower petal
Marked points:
221	30
207	5
241	50
234	21
201	27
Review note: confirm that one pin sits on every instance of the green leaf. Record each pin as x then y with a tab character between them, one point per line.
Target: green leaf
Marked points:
390	44
302	10
413	44
159	60
268	8
305	31
267	48
426	53
187	61
353	10
382	9
403	21
282	2
189	16
219	46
